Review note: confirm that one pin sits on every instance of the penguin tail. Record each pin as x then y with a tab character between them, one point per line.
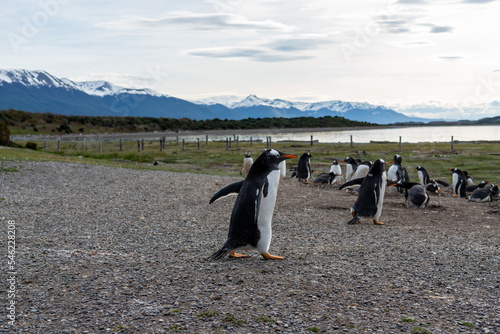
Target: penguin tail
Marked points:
354	220
220	253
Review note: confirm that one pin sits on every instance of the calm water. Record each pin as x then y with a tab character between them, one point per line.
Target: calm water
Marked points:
409	135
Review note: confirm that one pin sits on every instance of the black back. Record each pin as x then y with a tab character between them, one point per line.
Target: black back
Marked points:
369	191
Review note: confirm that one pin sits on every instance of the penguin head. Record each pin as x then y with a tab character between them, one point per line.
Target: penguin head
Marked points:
306	155
397	159
378	168
270	159
349	160
432	187
248	154
419	168
335	162
455	170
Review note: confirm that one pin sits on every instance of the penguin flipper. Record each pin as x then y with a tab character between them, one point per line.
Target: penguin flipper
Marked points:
228	190
352	182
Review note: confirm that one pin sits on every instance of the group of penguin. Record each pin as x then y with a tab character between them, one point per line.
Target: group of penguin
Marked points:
251	217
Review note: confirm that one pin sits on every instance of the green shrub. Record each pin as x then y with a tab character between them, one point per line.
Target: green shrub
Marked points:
31	145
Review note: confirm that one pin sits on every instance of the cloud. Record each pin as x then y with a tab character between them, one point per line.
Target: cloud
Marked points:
478	1
247	53
410	44
440	29
450	58
195	21
299	43
412	2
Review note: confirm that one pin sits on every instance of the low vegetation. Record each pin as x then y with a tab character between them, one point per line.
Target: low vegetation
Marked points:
22	122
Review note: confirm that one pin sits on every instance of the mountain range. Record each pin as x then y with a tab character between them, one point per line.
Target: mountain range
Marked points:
39	91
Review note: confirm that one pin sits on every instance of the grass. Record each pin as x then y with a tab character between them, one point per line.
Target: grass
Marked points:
232	320
208	314
314	329
264	319
480	160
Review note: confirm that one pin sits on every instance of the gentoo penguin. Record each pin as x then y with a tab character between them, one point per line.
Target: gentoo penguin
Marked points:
361	170
470	180
325	178
432	188
423	176
371	194
392	173
351	165
250	225
415	195
304	171
459	182
473	187
247	163
483	194
335	168
396	172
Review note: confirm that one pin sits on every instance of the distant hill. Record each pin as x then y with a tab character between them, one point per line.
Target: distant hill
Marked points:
39	91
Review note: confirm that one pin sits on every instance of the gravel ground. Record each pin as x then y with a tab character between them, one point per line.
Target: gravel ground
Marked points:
102	249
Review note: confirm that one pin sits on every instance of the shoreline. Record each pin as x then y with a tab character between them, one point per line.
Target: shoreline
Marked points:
156	135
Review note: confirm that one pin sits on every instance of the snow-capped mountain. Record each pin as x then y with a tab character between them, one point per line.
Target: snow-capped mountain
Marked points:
31	78
39	91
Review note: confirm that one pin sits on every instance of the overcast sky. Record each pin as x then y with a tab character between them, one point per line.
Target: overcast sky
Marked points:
424	58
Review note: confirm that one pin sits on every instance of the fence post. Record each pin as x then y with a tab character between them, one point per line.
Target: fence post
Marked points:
206	140
161	144
83	145
351	141
121	147
452	143
138	145
230	142
142	145
399	141
311	140
198	142
237	140
227	143
100	146
45	145
183	144
58	144
177	140
251	141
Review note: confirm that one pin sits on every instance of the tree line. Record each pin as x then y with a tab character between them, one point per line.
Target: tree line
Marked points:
48	122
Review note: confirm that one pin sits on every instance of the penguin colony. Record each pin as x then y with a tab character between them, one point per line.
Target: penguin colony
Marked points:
251	217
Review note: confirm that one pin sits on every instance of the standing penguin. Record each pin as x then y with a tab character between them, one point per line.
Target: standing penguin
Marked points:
371	194
337	170
304	171
351	165
459	182
247	163
395	169
250	225
423	176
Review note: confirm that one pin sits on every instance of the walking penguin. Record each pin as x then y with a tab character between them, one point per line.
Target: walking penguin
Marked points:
250	225
371	194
